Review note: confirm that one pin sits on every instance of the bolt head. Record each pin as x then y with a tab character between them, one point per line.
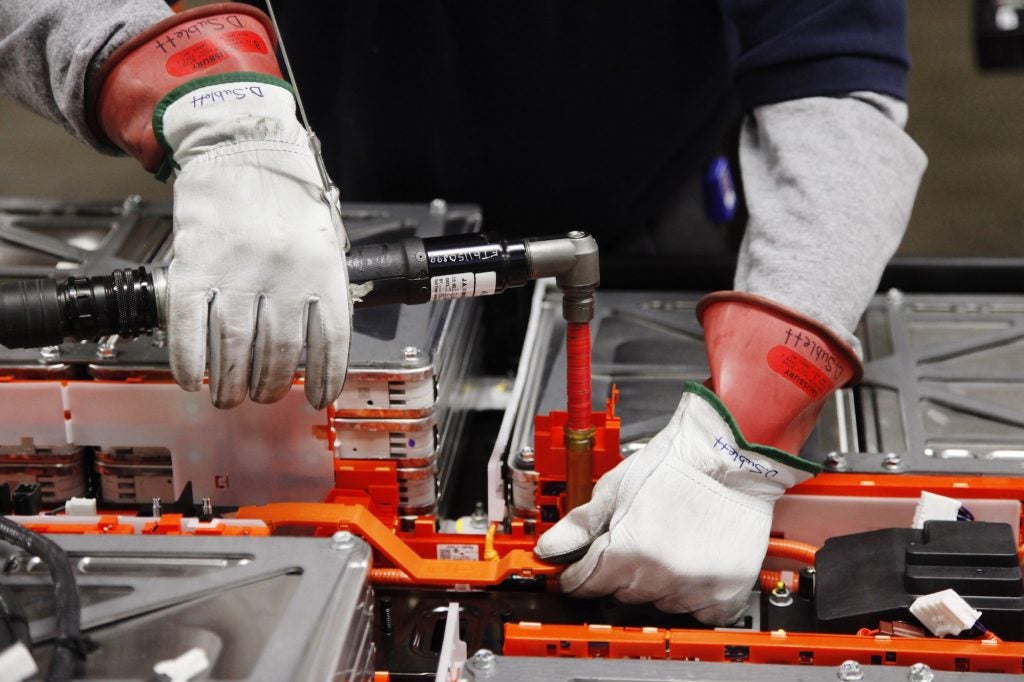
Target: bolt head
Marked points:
106	350
850	671
411	353
576	234
524	459
343	539
484	659
478	519
894	297
131	203
892	462
920	672
438	206
49	353
780	597
836	461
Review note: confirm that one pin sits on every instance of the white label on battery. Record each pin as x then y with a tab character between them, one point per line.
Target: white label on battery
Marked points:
462	285
459	552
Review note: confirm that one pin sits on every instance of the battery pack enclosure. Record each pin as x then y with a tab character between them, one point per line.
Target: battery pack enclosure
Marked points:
408	364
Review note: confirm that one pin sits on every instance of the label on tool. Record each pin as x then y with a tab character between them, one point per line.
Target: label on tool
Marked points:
462	285
459	552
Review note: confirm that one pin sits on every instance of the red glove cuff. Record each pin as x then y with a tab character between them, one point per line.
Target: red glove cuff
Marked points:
773	367
215	39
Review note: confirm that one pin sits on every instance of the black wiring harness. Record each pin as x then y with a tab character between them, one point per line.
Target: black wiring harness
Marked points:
70	647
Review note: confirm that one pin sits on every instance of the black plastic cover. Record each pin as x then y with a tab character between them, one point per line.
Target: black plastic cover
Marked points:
28	499
867	577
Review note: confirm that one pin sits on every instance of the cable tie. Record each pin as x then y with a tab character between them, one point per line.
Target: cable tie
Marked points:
79	646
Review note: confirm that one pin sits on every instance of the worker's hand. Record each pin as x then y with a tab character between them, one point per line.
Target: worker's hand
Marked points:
259	262
682	523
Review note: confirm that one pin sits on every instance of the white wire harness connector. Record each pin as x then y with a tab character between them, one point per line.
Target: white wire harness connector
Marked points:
183	668
945	613
17	664
80	506
932	507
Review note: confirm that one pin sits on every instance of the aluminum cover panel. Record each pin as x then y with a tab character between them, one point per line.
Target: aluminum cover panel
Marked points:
32	410
39	237
943	385
251	454
261	608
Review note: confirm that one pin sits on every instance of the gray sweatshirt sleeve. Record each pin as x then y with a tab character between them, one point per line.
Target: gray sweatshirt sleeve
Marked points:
830	183
48	49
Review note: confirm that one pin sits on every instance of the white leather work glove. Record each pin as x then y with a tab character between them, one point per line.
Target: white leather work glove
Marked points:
259	262
682	523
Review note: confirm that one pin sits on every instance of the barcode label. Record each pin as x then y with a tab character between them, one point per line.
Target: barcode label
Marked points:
458	552
462	285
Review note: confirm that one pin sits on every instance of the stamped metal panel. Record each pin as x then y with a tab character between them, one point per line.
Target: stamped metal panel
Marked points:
943	388
32	411
261	608
250	454
44	237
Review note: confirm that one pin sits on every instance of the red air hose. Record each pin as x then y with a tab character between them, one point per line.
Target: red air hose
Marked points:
578	375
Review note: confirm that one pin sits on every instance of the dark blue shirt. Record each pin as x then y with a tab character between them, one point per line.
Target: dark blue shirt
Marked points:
557	115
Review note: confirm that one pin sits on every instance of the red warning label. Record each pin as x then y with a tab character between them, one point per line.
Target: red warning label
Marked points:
800	371
246	41
206	53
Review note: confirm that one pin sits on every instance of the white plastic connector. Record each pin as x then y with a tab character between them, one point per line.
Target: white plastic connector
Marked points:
80	506
932	507
191	525
17	664
184	667
944	613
